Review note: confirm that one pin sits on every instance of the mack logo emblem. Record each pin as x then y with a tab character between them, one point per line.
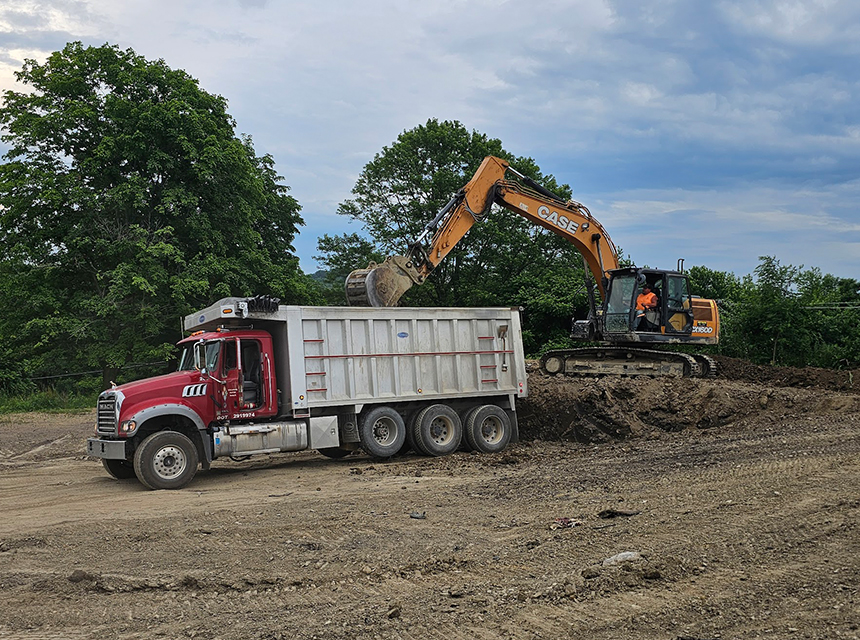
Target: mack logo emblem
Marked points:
193	390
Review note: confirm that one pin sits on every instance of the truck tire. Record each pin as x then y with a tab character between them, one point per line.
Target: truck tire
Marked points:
118	469
437	430
166	460
488	429
382	432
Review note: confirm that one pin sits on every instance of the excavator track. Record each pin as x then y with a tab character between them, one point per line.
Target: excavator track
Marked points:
707	365
623	361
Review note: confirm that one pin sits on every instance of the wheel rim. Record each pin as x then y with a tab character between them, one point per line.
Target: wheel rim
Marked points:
491	430
441	431
169	462
385	431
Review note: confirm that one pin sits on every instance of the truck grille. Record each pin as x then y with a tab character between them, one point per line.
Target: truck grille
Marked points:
106	416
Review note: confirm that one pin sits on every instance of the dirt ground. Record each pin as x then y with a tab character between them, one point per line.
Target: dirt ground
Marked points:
735	503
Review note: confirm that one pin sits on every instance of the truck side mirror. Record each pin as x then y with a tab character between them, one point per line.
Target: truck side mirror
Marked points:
200	358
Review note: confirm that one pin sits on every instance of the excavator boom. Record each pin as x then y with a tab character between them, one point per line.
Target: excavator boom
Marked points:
384	284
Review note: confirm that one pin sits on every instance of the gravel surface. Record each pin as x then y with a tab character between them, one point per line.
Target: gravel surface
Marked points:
679	509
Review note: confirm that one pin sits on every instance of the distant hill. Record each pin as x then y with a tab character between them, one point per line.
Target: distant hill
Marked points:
319	276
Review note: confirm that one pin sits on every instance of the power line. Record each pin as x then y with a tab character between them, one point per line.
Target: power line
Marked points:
89	373
835	305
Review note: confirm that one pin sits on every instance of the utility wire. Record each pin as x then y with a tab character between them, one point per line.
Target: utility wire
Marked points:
89	373
835	305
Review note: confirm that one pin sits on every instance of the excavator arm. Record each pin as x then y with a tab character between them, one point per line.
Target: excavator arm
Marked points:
382	285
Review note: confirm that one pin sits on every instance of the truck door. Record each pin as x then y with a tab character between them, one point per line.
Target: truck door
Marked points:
232	378
249	388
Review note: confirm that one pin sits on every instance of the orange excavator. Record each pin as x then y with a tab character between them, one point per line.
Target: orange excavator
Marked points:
627	337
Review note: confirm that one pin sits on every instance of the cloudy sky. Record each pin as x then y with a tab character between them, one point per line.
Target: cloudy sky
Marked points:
717	131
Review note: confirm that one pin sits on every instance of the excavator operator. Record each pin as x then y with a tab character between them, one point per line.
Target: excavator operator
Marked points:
645	302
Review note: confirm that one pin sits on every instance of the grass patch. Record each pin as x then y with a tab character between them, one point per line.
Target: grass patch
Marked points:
47	402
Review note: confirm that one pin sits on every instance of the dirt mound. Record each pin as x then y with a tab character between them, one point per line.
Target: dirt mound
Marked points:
735	369
599	409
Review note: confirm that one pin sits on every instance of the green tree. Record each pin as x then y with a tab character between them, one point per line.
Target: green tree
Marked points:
723	286
832	305
504	260
339	256
787	315
773	321
127	200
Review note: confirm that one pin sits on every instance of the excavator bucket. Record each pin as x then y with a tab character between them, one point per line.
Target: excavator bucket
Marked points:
381	285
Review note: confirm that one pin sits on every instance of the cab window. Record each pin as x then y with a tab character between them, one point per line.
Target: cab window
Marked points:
679	295
213	349
619	304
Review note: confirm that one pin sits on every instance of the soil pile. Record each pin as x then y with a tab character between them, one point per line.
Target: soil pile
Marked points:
608	408
829	379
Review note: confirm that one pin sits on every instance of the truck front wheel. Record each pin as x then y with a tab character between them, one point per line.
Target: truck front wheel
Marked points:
165	460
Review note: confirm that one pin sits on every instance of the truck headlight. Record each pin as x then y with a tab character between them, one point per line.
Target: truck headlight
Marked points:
127	426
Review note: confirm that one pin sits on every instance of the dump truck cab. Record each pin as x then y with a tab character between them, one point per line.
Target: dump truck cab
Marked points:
236	368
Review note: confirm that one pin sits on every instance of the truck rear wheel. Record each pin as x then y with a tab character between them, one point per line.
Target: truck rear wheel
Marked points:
437	430
118	469
382	432
488	429
166	460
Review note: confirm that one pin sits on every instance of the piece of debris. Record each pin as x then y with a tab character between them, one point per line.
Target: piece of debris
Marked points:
565	523
615	513
418	515
79	576
624	556
589	573
394	611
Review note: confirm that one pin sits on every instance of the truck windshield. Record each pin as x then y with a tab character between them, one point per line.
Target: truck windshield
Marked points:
186	359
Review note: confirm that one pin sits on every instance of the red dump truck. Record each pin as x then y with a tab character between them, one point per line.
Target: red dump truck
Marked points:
256	377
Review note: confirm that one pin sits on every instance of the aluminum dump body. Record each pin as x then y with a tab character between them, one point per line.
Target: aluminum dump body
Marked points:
336	356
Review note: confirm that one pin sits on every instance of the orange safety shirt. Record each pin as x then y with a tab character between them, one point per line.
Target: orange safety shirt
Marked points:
646	301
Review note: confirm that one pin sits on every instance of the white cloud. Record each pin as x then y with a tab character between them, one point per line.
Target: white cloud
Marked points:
730	230
720	101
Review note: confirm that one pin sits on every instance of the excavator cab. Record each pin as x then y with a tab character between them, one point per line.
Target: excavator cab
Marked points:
671	318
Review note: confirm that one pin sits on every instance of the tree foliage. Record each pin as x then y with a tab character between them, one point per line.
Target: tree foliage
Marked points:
126	201
340	255
504	260
786	315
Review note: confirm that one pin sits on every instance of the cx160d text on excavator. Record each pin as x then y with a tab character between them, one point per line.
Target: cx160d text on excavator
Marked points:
626	335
